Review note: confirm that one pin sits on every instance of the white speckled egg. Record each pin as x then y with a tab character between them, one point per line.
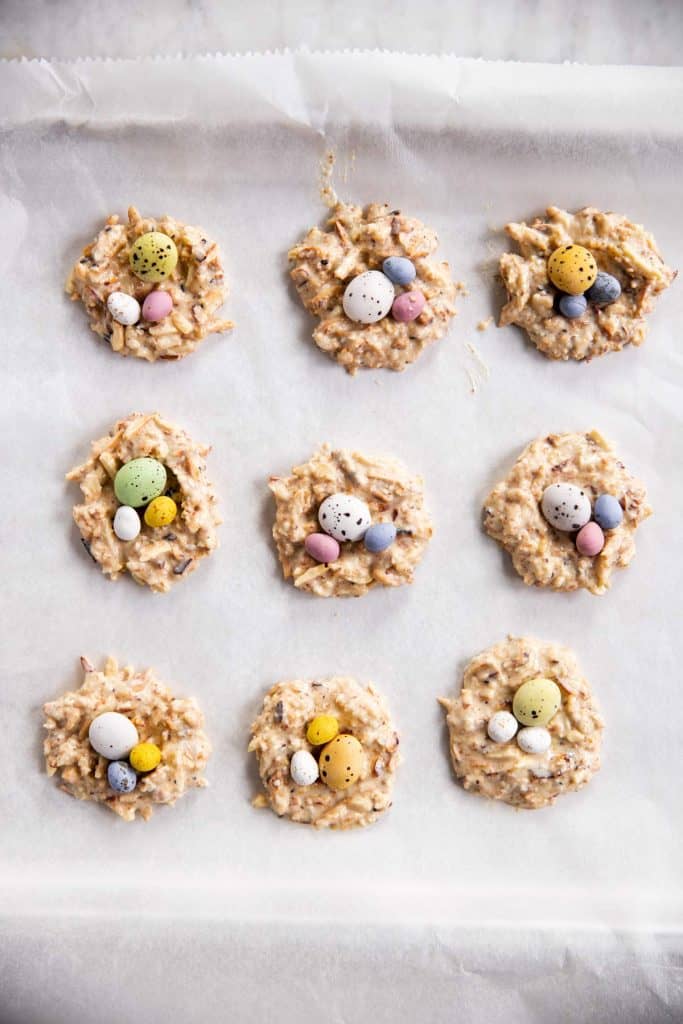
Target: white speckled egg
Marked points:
344	517
566	507
368	297
534	740
303	768
125	309
126	523
501	727
112	735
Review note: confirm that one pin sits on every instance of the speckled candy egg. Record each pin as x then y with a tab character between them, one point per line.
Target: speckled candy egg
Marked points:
161	511
153	256
112	735
606	289
537	701
368	297
121	777
590	540
303	768
145	757
566	507
607	512
501	727
572	269
399	269
341	762
123	308
140	481
344	517
322	729
407	307
535	740
126	523
379	537
322	547
156	306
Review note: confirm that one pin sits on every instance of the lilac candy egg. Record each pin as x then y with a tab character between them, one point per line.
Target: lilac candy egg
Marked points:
322	547
157	305
607	512
399	269
590	540
408	306
379	537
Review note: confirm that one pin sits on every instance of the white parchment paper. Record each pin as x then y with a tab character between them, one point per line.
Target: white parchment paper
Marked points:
450	896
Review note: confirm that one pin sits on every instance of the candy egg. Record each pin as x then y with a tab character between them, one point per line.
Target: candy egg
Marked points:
537	701
341	762
144	757
590	540
344	517
572	269
303	768
153	256
379	537
121	777
322	729
534	741
156	306
572	306
399	269
322	547
368	297
566	507
501	727
139	482
604	290
408	306
126	523
112	735
607	512
161	511
123	308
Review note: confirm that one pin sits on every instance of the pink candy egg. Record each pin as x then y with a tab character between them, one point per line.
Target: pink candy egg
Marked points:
408	306
322	547
590	540
156	306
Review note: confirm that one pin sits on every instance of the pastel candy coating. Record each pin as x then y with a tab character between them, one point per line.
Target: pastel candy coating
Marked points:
566	507
535	740
112	735
322	729
501	727
537	701
161	511
140	481
156	306
303	768
572	269
341	762
126	523
153	256
123	308
572	306
590	540
607	512
344	517
322	547
408	306
121	777
604	290
399	269
379	537
145	757
368	297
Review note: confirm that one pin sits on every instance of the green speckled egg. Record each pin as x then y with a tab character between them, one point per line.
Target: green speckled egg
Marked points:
139	482
537	701
153	257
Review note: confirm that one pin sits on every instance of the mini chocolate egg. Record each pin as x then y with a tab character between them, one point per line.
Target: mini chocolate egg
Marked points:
368	297
153	256
140	481
537	701
341	762
344	517
121	777
535	740
112	735
379	537
605	290
566	507
607	512
572	269
126	523
322	729
322	547
590	540
501	727
408	306
123	308
303	768
572	306
157	306
145	757
161	511
399	269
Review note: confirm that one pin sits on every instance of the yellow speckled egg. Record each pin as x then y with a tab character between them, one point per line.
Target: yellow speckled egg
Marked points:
572	269
153	256
537	701
341	762
144	757
161	511
321	730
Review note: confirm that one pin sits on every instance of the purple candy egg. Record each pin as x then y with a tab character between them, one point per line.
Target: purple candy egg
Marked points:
590	540
322	547
156	306
408	306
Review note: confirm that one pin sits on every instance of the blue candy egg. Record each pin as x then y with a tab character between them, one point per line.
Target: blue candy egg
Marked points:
379	537
606	289
121	777
607	512
572	306
399	269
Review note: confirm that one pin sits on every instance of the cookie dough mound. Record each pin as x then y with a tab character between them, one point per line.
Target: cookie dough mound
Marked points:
502	771
174	724
161	556
196	287
390	492
542	555
358	240
621	248
280	730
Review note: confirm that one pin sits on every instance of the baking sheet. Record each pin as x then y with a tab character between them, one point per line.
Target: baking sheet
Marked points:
234	144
